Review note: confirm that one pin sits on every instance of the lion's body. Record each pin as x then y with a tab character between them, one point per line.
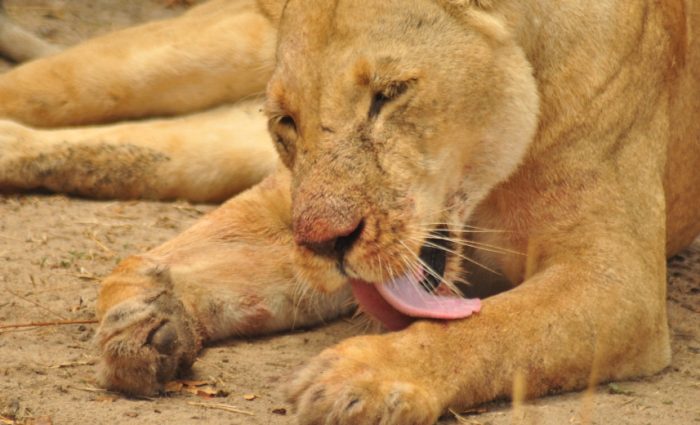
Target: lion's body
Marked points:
680	183
571	128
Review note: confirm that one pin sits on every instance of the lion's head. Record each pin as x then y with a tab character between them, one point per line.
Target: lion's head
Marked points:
396	119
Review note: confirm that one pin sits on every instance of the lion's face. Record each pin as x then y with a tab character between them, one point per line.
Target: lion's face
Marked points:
395	121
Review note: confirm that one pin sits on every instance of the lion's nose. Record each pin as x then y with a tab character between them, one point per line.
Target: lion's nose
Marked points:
337	247
328	236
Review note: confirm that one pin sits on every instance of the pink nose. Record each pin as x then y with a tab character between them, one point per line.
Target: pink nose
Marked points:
326	226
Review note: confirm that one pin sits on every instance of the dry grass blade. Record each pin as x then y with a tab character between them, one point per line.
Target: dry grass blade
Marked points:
518	396
10	238
221	406
22	297
588	401
89	389
85	276
73	364
462	420
108	392
105	248
43	324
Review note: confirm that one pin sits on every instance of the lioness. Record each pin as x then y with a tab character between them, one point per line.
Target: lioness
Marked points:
427	146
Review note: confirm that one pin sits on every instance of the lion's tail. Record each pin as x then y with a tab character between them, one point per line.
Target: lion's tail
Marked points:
20	45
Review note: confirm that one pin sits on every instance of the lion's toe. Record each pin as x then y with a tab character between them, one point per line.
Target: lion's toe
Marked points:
145	343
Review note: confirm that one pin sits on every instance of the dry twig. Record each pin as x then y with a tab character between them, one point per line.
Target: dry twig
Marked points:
221	406
44	324
22	297
104	247
73	364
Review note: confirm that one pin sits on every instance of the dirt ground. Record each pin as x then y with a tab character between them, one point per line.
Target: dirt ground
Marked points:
54	250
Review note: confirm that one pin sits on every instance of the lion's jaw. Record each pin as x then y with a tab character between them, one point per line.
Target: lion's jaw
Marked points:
395	121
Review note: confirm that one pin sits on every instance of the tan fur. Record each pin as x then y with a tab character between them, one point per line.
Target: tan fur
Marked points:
570	127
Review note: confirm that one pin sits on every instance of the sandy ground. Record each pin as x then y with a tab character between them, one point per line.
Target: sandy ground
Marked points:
54	250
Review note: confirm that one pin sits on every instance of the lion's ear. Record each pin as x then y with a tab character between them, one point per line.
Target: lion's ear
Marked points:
272	9
478	14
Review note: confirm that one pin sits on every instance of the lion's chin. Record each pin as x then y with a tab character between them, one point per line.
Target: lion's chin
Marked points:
399	302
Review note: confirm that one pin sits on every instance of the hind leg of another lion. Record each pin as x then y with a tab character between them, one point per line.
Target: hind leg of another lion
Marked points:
231	274
20	45
203	157
218	52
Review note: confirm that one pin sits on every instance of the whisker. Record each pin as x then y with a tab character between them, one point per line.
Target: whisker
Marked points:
414	266
313	298
445	223
432	272
430	229
465	228
477	245
488	246
411	266
463	281
460	255
446	209
298	294
417	285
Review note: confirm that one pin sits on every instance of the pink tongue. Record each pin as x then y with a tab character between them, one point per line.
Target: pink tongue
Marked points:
372	303
396	303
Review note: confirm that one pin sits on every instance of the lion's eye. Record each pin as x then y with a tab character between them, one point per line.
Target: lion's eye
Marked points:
284	133
288	122
378	102
381	98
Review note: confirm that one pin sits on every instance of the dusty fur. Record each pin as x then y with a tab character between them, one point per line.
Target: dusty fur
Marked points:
555	143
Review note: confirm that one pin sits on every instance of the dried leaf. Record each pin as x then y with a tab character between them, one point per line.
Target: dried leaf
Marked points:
201	391
189	383
173	387
209	392
198	388
250	397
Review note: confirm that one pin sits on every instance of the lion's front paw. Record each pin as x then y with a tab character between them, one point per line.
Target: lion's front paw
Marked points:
362	381
144	342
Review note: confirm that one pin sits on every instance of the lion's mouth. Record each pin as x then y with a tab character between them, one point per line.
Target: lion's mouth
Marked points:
414	295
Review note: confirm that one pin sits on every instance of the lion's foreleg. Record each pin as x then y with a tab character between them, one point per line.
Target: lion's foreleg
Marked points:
231	274
585	317
167	67
204	157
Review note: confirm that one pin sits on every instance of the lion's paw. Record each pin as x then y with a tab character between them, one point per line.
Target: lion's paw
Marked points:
144	342
17	145
355	383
